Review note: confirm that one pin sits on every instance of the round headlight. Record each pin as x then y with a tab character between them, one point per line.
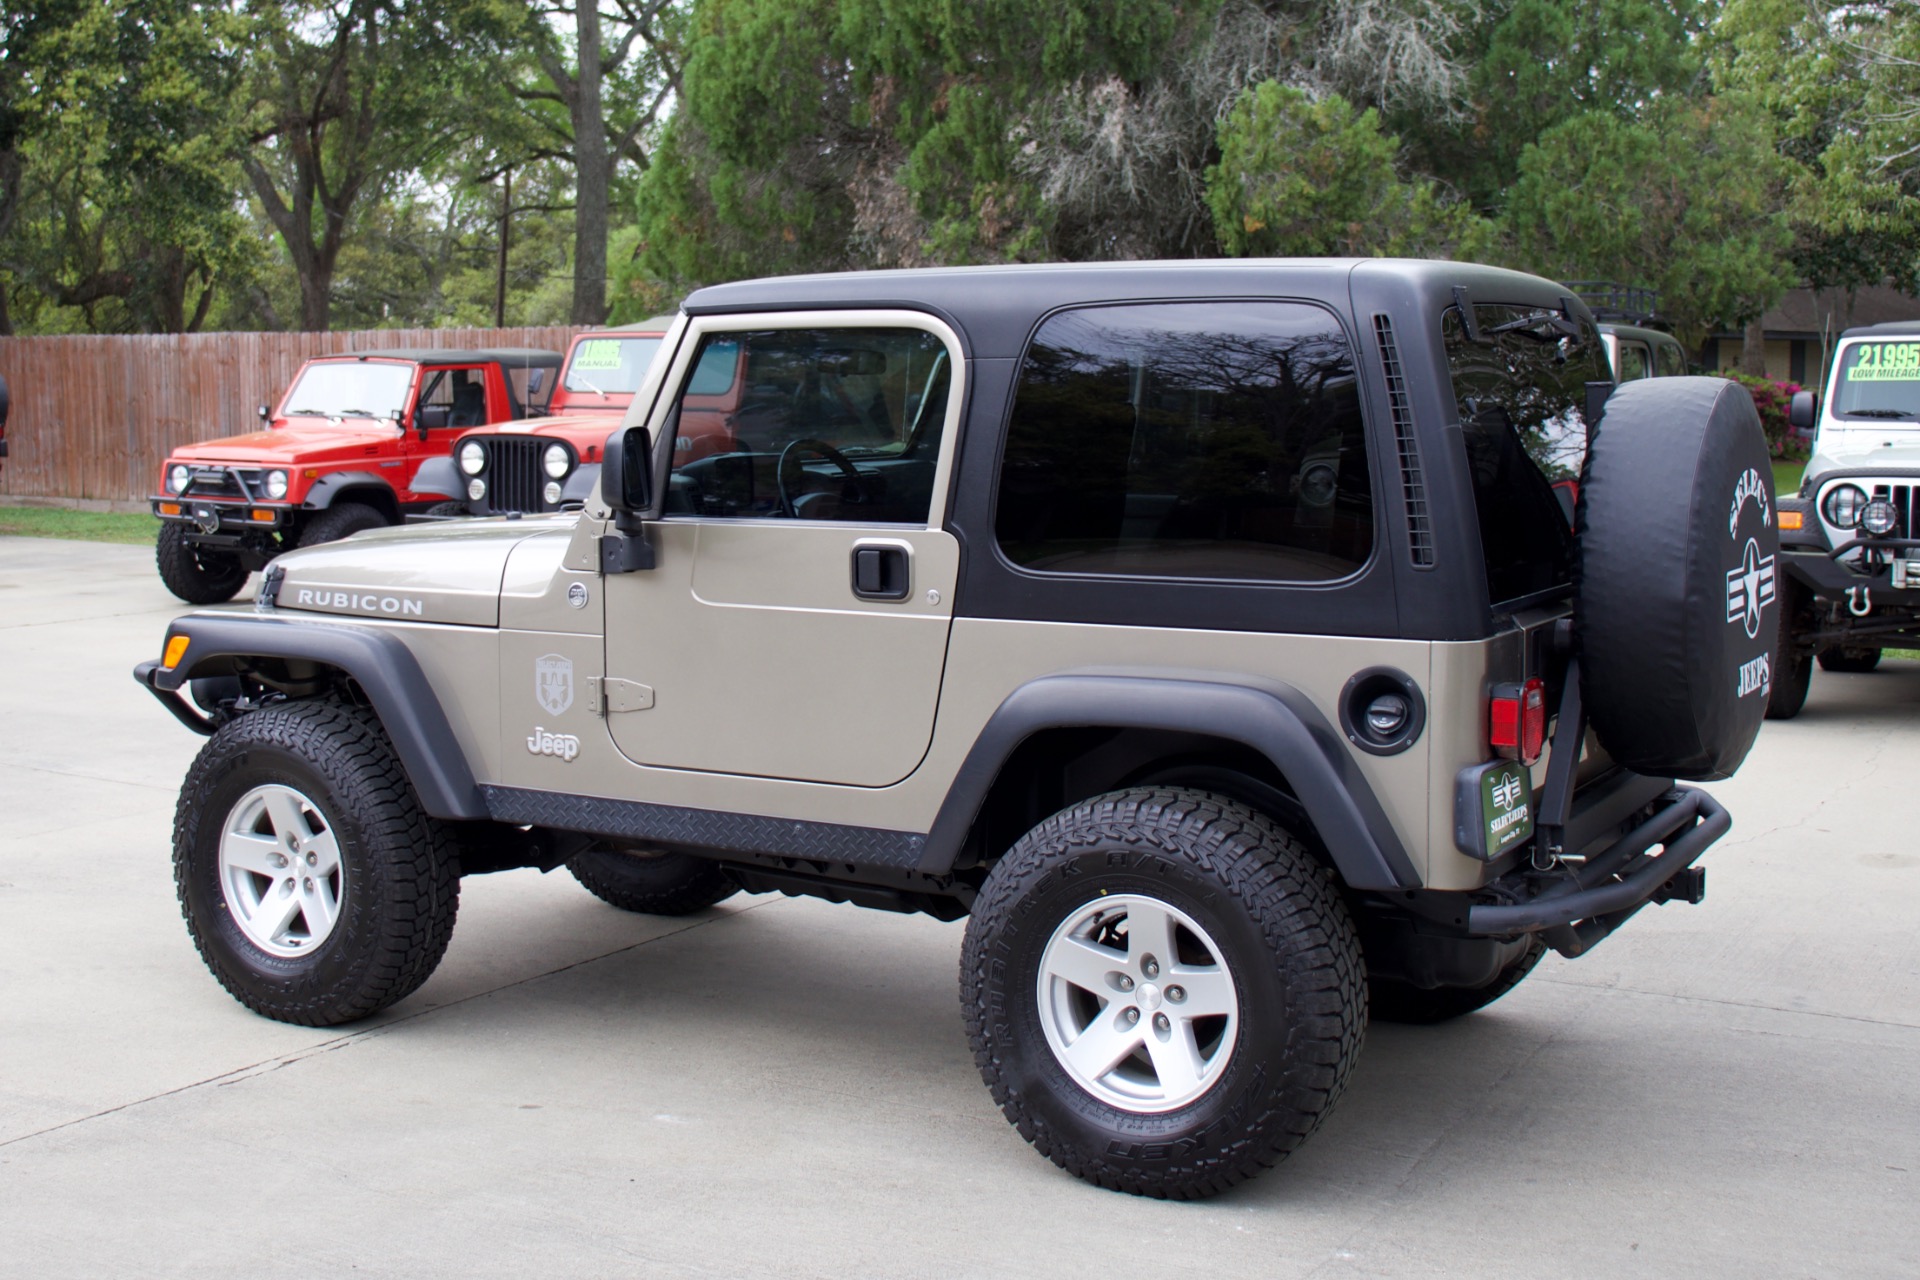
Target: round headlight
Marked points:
556	461
1878	517
476	489
552	492
473	457
276	484
1842	505
179	478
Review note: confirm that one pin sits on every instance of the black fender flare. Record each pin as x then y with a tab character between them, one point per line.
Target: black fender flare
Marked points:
1276	720
328	488
384	668
441	476
582	484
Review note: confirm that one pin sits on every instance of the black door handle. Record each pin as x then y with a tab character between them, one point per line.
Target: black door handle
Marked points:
880	573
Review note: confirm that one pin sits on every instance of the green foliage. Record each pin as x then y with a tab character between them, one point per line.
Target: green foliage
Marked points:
1299	176
1692	200
1771	401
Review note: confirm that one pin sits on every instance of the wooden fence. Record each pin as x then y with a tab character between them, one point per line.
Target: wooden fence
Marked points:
93	417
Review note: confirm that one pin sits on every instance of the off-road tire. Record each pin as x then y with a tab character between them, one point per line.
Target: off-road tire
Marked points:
336	523
197	574
1849	660
652	883
451	508
401	872
1395	1001
1792	673
1282	932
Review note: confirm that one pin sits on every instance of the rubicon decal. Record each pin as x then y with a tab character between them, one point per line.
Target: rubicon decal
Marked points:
1750	589
394	606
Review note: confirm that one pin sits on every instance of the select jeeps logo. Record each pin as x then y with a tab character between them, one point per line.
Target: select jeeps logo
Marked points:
1750	584
553	682
361	602
1756	677
562	745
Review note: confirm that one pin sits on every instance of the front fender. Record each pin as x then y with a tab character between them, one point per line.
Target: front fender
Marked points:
383	667
441	476
1276	720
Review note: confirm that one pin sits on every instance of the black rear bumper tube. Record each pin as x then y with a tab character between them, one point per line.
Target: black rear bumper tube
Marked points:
1686	827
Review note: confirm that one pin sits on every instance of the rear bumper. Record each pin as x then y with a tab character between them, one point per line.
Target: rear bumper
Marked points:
1575	907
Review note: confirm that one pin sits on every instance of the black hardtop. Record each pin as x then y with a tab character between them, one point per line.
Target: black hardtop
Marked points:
994	307
1891	328
516	357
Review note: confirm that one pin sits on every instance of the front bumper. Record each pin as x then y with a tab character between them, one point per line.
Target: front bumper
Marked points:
216	520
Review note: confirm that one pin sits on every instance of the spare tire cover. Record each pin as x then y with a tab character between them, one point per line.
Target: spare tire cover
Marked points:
1676	597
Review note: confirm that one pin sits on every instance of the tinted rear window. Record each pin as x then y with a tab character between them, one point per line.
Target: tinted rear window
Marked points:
1189	440
1522	394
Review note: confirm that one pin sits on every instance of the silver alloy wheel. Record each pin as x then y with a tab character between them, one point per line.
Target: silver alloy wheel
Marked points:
280	870
1137	1003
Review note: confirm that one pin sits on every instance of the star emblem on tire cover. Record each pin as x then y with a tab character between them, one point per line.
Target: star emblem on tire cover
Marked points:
1750	588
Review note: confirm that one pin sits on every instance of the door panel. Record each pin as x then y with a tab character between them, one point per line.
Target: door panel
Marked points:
763	661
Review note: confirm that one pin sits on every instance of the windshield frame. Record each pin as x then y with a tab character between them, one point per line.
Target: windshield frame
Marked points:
384	415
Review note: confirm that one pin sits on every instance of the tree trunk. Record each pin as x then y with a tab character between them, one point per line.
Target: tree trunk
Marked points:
1753	349
592	175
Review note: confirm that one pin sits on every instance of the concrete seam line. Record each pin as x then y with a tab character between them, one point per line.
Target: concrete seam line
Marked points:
1733	1004
266	1065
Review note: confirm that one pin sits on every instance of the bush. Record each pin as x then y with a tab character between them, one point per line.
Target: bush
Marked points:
1770	400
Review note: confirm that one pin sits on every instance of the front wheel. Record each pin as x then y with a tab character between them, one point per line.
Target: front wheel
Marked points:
1163	991
339	522
1848	659
197	574
314	887
1791	673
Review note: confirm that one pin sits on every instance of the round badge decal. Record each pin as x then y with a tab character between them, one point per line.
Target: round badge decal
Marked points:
577	595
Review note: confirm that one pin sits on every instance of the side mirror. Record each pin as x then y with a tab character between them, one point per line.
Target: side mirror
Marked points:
265	412
536	379
626	484
432	417
1803	410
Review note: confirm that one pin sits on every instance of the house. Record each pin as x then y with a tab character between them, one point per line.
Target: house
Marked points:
1802	329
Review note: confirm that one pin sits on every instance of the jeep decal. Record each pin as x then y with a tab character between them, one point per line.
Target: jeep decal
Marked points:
562	745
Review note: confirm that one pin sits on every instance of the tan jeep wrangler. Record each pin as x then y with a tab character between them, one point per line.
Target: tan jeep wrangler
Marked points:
1209	633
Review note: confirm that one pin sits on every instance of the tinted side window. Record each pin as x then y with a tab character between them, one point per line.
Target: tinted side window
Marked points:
1189	440
1522	399
1634	364
811	424
1673	361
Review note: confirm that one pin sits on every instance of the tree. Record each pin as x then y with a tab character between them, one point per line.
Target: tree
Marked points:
1695	197
609	89
349	97
1303	176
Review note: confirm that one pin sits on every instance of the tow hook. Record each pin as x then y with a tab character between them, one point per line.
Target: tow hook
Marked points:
1859	601
1688	886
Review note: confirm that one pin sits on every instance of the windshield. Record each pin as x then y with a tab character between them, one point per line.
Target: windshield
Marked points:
610	366
349	389
1879	381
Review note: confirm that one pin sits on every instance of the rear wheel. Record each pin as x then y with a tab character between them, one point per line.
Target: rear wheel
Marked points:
1839	659
1163	991
338	522
197	574
652	882
1395	1001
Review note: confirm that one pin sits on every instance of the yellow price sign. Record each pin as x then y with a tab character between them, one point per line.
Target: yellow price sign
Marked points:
597	354
1886	362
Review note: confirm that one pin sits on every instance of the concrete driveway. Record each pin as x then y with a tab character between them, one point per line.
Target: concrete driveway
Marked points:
782	1087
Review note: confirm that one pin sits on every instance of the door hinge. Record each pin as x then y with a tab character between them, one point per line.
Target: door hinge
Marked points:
610	694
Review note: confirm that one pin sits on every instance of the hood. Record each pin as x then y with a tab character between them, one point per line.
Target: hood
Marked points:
306	440
586	432
1854	447
446	572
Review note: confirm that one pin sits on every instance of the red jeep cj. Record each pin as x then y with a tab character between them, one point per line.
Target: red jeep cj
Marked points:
341	455
554	460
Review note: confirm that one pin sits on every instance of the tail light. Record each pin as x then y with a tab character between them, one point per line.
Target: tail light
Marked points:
1517	721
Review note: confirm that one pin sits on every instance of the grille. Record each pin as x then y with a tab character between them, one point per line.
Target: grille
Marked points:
1901	496
514	474
1413	486
218	482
